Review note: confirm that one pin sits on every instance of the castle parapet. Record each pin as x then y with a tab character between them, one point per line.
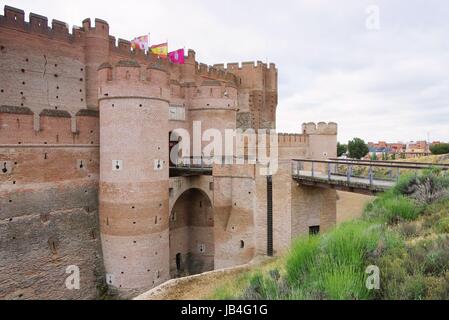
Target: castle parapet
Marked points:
292	140
215	94
129	79
252	74
234	66
323	128
59	30
214	72
21	126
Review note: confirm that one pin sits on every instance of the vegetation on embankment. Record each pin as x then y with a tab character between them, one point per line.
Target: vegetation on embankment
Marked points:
436	159
404	232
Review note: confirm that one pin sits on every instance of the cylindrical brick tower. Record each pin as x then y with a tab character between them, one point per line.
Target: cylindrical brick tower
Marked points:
134	175
215	106
96	52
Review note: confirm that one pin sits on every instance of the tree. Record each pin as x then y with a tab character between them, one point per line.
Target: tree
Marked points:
441	148
357	148
374	156
341	149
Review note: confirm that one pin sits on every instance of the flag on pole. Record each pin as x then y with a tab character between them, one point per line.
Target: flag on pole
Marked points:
141	43
161	50
177	57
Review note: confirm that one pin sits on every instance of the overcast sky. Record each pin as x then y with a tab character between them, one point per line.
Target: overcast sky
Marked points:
388	83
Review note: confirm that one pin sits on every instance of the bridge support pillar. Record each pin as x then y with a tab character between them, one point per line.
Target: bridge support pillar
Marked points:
297	210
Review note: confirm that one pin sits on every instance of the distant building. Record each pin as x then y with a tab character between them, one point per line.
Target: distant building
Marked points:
382	150
418	147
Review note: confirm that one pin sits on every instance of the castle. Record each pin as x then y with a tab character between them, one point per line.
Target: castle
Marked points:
85	175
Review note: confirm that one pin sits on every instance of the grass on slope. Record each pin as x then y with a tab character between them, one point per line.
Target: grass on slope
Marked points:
401	233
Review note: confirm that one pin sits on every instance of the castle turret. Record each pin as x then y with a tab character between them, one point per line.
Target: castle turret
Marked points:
257	94
215	106
188	68
96	52
134	175
322	139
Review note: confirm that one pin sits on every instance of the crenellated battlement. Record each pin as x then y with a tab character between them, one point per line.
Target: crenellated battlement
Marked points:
215	72
21	126
292	140
323	128
246	65
254	75
15	18
101	27
129	78
132	70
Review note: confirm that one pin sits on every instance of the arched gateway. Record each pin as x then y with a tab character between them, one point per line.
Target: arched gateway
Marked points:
192	247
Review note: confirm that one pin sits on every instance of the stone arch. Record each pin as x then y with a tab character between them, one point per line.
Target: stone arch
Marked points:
192	246
180	185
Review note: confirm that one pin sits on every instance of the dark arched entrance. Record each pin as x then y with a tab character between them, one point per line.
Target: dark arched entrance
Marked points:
191	234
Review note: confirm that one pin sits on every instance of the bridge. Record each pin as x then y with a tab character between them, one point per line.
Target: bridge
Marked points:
359	176
192	166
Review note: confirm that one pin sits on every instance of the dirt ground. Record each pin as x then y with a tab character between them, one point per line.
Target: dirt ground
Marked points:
201	287
351	205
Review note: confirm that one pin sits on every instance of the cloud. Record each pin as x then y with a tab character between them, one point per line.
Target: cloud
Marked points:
391	84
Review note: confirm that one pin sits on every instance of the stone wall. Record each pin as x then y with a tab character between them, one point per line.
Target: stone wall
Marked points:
49	221
234	199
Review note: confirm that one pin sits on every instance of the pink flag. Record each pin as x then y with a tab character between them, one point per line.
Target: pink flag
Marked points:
177	56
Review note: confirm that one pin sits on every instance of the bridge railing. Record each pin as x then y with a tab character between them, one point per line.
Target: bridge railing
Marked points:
195	162
393	162
360	171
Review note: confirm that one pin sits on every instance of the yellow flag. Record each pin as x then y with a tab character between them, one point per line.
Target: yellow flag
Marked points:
160	50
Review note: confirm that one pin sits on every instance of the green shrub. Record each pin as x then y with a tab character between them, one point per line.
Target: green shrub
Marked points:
262	287
345	282
350	242
402	186
223	293
441	148
414	288
333	266
393	209
400	208
301	258
440	207
438	287
436	262
443	225
409	229
427	187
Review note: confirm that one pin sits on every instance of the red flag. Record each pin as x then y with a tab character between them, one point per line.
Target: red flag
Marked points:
177	57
